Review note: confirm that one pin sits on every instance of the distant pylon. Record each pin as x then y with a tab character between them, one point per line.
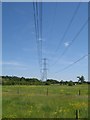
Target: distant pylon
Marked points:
44	73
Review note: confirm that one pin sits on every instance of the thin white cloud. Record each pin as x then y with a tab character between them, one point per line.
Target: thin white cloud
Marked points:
12	63
26	49
33	33
0	62
42	39
29	49
64	62
66	44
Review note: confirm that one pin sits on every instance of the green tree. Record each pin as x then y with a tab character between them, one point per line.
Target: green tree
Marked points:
47	83
61	82
70	83
81	79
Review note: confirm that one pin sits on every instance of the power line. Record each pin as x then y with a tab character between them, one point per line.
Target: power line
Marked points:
35	20
40	38
38	30
66	31
67	28
37	13
72	63
54	18
41	19
71	43
39	22
52	22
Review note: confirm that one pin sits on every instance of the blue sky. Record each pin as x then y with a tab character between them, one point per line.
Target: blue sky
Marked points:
20	56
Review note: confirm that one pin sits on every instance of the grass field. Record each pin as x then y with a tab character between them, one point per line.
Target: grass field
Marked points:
0	102
36	102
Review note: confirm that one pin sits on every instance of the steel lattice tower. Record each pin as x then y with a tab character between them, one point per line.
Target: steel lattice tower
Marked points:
44	73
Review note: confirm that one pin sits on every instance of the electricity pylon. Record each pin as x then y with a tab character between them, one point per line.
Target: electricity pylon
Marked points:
44	73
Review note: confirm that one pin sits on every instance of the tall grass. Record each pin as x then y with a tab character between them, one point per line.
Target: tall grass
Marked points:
33	102
0	101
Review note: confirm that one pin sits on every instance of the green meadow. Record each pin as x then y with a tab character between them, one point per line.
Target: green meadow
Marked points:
52	101
0	101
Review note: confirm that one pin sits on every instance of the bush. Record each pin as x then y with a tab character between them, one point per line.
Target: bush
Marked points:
47	83
70	83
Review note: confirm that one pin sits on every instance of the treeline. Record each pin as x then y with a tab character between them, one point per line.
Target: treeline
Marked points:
14	80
